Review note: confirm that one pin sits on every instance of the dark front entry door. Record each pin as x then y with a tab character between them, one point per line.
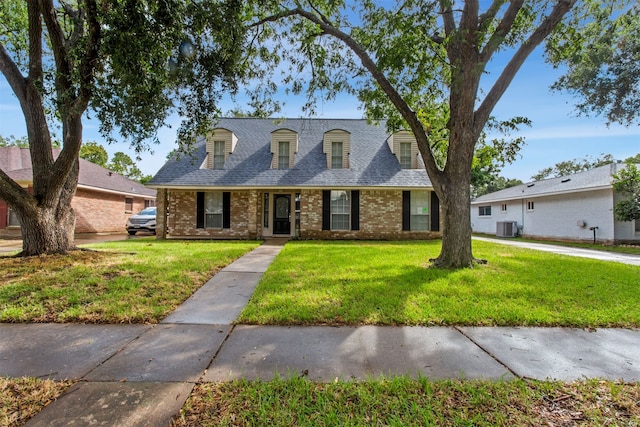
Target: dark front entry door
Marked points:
282	214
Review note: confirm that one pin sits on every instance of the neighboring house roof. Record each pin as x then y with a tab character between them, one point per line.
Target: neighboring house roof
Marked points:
16	162
593	179
371	163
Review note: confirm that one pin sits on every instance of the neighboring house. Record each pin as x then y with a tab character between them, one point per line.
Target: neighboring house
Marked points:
565	208
308	178
102	203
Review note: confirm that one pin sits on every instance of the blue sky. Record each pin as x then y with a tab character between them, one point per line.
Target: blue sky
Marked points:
556	134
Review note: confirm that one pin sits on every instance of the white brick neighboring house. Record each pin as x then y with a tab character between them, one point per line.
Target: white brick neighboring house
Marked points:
565	208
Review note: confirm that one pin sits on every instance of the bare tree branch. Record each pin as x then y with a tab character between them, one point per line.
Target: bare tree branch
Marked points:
12	73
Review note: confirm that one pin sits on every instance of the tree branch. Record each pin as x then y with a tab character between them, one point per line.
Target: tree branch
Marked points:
447	17
481	116
90	59
501	31
397	100
12	73
490	14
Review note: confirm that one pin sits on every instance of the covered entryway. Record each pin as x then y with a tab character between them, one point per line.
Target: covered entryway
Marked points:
282	214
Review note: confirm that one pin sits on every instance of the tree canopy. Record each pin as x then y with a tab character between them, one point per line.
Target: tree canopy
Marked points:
428	66
603	59
130	63
627	181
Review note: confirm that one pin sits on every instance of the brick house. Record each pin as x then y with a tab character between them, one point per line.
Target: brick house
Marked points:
102	203
308	178
566	208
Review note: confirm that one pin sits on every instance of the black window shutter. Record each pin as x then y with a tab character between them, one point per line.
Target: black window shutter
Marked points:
406	210
326	209
226	209
200	209
435	212
355	209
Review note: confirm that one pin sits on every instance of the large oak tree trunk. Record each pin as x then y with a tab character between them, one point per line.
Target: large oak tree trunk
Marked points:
50	229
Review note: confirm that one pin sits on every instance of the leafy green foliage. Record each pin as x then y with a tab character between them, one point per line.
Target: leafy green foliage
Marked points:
569	167
95	153
604	63
627	181
12	141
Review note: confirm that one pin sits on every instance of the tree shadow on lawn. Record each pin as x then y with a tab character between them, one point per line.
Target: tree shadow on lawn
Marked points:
517	287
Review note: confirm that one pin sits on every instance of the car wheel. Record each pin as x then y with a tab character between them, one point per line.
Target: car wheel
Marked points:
131	232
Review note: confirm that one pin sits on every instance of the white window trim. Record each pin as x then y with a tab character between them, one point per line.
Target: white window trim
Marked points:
342	214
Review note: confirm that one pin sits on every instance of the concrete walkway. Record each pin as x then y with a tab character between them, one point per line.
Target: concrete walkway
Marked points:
142	374
566	250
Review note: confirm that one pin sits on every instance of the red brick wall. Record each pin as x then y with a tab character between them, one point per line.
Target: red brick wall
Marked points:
244	216
380	218
98	212
4	211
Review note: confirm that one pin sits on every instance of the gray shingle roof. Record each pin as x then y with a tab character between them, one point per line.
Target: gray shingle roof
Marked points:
16	162
371	162
583	181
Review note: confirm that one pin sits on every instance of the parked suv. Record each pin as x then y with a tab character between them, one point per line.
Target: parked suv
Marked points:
145	220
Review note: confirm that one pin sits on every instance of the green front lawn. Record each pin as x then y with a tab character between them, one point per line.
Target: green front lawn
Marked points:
388	283
133	281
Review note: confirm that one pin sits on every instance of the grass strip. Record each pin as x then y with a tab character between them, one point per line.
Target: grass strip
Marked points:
22	398
390	283
406	402
133	281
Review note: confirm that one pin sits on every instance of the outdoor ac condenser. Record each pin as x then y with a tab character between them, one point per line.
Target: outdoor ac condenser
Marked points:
506	228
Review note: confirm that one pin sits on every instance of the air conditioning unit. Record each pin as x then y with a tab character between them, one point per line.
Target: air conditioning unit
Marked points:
506	228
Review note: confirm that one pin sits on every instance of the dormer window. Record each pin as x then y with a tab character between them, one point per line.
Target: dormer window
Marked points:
404	146
220	144
284	144
283	155
337	146
336	155
405	155
218	154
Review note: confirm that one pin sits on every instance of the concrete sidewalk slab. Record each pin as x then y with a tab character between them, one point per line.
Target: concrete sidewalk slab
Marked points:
164	353
563	353
60	351
219	301
324	353
115	404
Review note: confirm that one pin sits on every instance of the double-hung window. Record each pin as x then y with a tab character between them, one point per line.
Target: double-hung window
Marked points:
218	154
405	155
336	155
419	210
283	155
340	210
484	210
213	209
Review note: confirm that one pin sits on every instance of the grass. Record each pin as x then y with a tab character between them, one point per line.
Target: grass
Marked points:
22	398
624	249
389	283
405	402
134	281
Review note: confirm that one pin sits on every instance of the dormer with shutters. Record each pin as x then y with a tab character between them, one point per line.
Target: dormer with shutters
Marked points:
284	146
404	146
220	143
336	144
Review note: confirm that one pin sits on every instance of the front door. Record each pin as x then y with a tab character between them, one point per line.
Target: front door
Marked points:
282	214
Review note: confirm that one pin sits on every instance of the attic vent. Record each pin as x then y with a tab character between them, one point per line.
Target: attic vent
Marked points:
566	180
530	185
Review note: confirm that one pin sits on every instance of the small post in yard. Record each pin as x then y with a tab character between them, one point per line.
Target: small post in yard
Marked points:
594	233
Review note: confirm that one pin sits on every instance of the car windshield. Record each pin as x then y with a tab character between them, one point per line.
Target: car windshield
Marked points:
148	211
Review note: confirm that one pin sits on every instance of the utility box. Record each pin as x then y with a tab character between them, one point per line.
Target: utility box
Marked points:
506	228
